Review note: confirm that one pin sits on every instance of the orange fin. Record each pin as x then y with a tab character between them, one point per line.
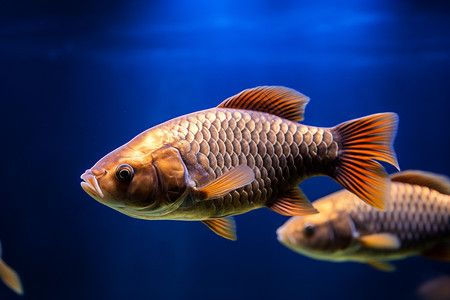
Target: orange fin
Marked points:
440	252
386	241
10	278
293	203
381	265
440	183
276	100
363	141
231	180
225	227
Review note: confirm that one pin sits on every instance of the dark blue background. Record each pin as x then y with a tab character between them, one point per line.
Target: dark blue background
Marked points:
80	78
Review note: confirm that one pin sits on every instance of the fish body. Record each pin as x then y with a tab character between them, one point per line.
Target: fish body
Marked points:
281	153
249	152
416	222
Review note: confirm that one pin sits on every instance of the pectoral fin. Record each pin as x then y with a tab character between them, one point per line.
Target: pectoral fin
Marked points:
386	241
10	278
381	265
293	203
231	180
225	227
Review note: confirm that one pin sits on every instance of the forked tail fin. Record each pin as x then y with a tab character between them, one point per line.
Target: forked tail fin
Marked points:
363	142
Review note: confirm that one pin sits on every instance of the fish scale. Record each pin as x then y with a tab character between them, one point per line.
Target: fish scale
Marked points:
279	151
417	215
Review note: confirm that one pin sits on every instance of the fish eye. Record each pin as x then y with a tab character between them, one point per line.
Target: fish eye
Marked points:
124	172
309	229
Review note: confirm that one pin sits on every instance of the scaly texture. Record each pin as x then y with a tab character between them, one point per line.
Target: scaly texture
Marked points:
417	215
280	152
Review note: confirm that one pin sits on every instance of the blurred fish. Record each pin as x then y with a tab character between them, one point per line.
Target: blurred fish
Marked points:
9	276
247	153
437	288
416	222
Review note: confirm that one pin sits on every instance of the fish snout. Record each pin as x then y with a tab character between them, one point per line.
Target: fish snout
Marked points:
90	184
281	234
287	235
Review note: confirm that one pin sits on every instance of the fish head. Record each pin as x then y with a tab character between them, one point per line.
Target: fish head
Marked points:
138	184
326	235
122	178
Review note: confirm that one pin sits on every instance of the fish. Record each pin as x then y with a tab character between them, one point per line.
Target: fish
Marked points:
437	288
249	152
9	276
416	222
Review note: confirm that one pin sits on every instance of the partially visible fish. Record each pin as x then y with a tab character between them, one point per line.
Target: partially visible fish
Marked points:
437	288
415	222
247	153
9	276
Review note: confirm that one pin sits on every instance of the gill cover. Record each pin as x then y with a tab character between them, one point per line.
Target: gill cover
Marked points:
171	174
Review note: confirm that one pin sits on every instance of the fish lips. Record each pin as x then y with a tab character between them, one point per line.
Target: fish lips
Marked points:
90	184
286	236
283	236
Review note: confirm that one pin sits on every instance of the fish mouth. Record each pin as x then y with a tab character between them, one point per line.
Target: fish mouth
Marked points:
281	234
90	184
284	237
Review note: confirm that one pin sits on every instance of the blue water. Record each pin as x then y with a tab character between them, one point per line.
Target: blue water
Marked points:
80	78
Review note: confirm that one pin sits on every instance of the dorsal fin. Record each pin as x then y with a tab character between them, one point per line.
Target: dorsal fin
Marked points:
276	100
440	183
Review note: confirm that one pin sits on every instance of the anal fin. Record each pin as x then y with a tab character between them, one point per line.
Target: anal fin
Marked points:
225	227
293	203
381	265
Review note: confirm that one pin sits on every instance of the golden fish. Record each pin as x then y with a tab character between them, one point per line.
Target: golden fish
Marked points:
415	222
9	276
247	153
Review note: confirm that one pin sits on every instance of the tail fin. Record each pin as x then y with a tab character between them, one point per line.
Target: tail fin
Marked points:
363	141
